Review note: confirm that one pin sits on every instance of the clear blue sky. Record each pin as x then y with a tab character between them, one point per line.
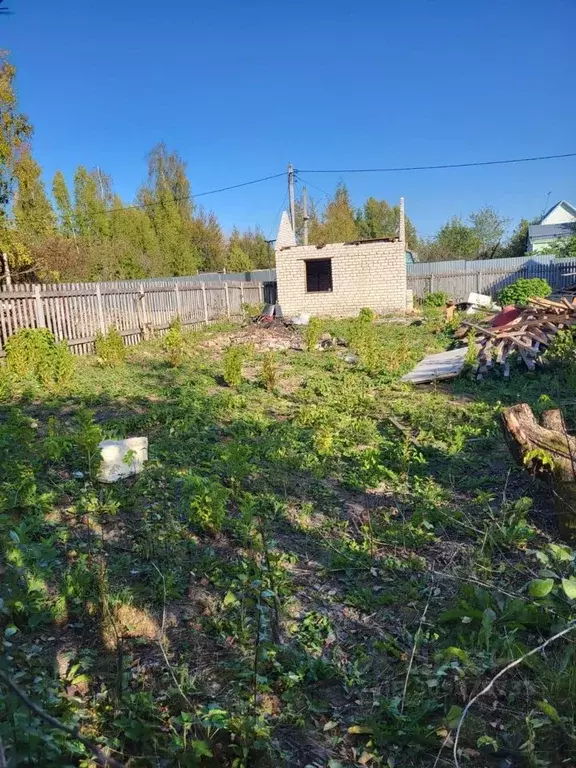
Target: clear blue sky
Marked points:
242	88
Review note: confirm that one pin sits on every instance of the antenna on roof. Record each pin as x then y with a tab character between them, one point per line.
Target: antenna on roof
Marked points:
546	203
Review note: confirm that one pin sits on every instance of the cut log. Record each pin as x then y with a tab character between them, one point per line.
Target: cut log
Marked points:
549	452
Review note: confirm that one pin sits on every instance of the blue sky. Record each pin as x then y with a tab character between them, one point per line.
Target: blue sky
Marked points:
242	88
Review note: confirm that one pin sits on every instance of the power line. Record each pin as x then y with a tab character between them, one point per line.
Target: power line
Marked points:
438	167
199	194
309	183
275	222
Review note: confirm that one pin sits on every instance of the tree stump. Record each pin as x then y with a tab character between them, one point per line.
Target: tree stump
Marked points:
549	452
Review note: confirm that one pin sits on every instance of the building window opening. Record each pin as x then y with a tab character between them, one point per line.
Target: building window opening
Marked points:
319	276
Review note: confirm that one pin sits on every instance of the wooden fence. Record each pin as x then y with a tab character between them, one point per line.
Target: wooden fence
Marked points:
76	312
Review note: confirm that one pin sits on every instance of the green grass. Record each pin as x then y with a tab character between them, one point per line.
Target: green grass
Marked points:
254	597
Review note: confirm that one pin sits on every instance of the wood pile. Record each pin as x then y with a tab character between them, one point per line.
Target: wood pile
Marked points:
527	334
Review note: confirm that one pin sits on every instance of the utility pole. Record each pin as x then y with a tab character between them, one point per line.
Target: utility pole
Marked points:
269	244
291	196
305	215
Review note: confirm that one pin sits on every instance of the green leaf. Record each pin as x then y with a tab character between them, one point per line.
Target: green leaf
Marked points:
330	725
15	538
540	587
548	710
569	587
360	729
453	716
10	630
201	749
229	599
561	552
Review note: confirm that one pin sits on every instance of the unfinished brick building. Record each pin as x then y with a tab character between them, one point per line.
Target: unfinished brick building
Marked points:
338	279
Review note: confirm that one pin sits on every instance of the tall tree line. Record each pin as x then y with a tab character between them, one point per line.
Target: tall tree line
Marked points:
85	231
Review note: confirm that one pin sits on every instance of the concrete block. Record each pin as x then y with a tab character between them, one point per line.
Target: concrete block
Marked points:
122	458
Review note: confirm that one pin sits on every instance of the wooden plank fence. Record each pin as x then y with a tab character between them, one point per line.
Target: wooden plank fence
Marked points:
76	312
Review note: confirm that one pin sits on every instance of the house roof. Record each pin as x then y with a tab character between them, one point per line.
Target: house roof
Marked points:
546	231
562	204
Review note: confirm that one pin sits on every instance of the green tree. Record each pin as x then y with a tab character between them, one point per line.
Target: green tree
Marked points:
166	197
518	241
238	260
337	224
33	212
15	130
63	205
454	241
91	219
378	219
254	245
489	227
208	240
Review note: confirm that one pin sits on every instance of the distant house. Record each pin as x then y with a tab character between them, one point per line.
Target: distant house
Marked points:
558	222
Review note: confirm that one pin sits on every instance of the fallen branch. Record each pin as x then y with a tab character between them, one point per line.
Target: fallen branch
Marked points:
101	757
414	647
502	672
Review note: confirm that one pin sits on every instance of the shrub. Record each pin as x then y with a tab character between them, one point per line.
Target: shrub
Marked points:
252	310
205	499
435	299
233	358
367	315
110	349
312	333
173	342
269	374
365	343
562	350
34	353
523	289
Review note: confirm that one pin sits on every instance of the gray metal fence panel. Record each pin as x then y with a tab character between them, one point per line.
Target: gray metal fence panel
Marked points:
459	278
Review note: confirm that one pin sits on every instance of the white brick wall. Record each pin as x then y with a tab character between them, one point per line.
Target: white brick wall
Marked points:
366	274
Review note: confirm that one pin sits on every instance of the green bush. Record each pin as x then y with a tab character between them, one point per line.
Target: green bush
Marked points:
34	353
269	373
252	310
173	343
523	289
234	356
367	315
435	299
312	333
110	349
562	351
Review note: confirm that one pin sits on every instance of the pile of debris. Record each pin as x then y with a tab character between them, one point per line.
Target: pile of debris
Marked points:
525	331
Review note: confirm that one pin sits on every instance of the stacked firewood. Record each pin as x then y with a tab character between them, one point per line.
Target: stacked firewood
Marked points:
525	332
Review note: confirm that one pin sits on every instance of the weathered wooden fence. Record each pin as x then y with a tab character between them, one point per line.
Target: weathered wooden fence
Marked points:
459	278
76	312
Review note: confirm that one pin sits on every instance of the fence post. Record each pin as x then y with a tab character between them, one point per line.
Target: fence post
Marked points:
432	283
242	296
227	297
205	303
261	292
478	273
101	321
39	307
178	305
142	314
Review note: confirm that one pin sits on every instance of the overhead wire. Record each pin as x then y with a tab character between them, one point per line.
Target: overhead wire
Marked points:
275	220
191	196
310	184
437	167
